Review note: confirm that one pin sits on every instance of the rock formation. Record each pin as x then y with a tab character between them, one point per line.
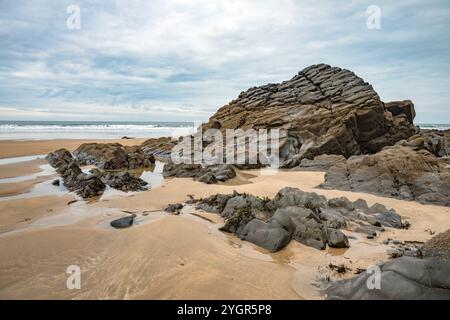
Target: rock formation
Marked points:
93	183
303	216
395	172
113	156
210	174
325	110
85	185
404	278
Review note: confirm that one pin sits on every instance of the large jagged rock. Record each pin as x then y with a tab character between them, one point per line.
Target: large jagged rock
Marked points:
395	172
435	141
293	214
325	110
112	156
85	185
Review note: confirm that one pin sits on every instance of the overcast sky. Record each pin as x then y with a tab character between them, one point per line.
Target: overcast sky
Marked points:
182	60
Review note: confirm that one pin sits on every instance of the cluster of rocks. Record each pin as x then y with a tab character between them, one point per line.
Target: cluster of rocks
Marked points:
93	183
208	174
306	217
423	277
159	147
400	249
325	110
110	156
396	171
85	185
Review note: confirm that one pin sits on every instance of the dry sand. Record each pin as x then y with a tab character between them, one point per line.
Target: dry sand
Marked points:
165	256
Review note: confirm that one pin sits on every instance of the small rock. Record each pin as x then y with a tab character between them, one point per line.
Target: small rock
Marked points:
124	222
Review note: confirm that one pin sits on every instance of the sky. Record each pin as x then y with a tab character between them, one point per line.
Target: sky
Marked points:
181	60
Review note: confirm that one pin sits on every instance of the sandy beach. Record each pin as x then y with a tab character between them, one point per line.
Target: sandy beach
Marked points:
166	256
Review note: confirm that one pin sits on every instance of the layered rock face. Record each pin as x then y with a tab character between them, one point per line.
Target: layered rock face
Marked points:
395	171
325	110
85	185
113	156
303	216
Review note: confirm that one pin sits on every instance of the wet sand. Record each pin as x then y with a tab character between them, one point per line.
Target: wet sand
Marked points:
166	256
19	148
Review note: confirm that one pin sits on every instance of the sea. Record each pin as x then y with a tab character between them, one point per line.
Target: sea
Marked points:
48	130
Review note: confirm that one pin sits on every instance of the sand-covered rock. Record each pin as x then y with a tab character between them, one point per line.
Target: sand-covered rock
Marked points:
325	110
396	171
112	156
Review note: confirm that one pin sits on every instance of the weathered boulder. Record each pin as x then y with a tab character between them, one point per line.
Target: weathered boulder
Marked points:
112	156
404	278
270	238
324	110
396	171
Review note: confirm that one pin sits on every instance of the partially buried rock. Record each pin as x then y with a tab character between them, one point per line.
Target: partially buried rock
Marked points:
124	222
174	208
123	181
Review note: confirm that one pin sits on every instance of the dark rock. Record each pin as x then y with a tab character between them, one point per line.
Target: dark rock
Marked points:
324	110
123	181
176	207
360	204
124	222
159	147
74	179
337	239
55	182
112	156
403	278
263	235
398	172
209	174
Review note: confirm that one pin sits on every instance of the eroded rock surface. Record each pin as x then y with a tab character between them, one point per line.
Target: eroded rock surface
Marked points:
325	110
306	217
113	156
396	171
209	174
85	185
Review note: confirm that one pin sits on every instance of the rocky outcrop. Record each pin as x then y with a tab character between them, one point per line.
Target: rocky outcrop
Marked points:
124	222
306	217
320	163
85	185
123	181
436	142
112	156
325	110
209	174
159	147
404	278
396	171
